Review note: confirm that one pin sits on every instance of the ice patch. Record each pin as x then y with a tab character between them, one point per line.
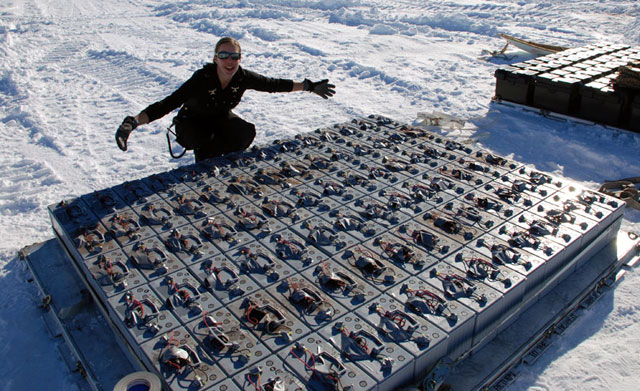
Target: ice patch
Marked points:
310	50
265	34
452	23
207	26
382	29
8	86
322	5
351	18
20	118
269	14
106	54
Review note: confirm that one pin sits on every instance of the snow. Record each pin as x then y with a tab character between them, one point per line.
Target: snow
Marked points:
71	71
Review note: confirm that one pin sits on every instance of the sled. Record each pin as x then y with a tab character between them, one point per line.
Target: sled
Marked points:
531	47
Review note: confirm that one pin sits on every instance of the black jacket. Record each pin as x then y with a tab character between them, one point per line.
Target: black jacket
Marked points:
202	95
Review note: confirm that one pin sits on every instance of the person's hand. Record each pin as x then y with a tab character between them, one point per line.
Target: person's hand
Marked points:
322	88
122	134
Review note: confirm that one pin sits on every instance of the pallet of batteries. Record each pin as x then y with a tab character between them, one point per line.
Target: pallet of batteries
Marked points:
578	82
355	255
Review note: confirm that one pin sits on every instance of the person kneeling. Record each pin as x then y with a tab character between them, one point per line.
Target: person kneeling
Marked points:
205	121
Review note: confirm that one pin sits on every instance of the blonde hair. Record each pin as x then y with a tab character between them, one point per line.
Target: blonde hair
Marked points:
230	40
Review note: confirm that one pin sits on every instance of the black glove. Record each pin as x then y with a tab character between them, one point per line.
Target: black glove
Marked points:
322	87
122	134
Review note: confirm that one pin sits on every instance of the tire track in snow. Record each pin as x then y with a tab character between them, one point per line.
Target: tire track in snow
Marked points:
489	18
76	94
38	176
62	100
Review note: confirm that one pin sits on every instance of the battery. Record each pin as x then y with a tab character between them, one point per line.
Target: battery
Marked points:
601	105
484	301
322	366
386	362
557	94
423	339
429	302
515	85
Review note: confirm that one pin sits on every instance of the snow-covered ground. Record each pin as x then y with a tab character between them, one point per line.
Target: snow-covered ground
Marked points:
71	70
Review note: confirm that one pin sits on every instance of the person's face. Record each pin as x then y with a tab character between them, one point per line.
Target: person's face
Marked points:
227	67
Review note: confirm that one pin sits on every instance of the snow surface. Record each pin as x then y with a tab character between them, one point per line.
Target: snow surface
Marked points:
71	70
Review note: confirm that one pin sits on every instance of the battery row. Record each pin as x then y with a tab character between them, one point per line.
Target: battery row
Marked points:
351	257
579	82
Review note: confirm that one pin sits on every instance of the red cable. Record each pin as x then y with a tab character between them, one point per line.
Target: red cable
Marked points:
257	387
303	361
250	308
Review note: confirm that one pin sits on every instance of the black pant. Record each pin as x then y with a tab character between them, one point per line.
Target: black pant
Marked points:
230	134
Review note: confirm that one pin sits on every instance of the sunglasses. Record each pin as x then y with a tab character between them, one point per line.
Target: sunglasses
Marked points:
225	55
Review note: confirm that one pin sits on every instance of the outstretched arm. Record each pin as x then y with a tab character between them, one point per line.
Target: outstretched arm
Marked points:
158	109
142	118
255	81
